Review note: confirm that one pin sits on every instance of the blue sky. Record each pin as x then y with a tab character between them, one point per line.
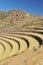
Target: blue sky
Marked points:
31	6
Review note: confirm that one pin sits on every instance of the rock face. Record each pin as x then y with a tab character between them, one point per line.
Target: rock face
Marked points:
19	19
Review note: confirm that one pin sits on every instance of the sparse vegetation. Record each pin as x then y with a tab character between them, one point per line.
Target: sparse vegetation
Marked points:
24	37
19	19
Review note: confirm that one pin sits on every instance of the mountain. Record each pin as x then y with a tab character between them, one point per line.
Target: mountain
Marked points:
19	19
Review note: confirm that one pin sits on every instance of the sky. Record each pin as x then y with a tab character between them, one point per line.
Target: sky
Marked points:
34	7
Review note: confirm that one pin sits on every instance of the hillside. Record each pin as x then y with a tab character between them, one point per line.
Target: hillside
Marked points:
19	19
21	38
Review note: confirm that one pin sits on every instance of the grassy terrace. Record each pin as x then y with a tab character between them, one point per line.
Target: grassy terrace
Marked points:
17	42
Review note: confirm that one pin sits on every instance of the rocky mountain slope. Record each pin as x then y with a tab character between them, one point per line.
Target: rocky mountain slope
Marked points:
19	19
